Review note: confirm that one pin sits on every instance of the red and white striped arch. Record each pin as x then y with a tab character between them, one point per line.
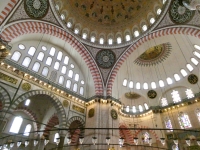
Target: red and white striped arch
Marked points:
169	31
126	134
151	131
18	29
3	15
53	121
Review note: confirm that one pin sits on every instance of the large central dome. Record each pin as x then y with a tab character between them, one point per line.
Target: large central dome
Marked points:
107	18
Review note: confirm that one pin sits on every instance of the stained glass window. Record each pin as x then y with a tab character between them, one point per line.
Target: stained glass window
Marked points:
184	120
146	137
168	124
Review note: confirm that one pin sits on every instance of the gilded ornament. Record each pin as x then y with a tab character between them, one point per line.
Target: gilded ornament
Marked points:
132	95
154	55
105	58
79	109
114	114
26	86
8	78
36	9
192	79
65	103
180	14
91	113
152	94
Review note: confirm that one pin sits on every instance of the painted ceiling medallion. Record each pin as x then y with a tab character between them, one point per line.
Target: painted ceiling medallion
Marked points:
152	94
192	79
154	55
180	14
26	86
105	58
36	9
132	95
65	103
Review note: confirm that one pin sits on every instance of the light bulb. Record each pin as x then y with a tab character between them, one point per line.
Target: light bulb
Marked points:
35	142
150	141
5	145
57	141
26	143
19	143
108	140
135	140
69	140
12	144
1	146
175	141
162	140
46	141
81	139
94	140
121	142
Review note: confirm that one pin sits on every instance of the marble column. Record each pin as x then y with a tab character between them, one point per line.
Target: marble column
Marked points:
101	119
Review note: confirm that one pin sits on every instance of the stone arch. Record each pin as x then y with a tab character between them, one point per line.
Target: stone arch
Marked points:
4	99
53	121
126	134
54	100
20	28
80	123
193	31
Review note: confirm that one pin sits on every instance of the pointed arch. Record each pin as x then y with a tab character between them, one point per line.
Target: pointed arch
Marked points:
53	121
126	134
54	100
4	99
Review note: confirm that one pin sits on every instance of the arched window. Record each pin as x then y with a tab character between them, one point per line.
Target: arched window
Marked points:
161	83
169	80
81	90
70	74
56	137
27	130
140	108
40	56
119	40
184	120
36	66
17	122
177	77
164	102
27	102
145	86
198	114
45	71
64	69
175	96
16	56
196	54
134	109
128	37
194	61
59	56
68	84
125	82
76	77
49	61
189	67
56	65
75	88
153	85
52	51
101	40
146	106
138	85
168	124
61	80
26	62
183	72
131	84
31	51
197	47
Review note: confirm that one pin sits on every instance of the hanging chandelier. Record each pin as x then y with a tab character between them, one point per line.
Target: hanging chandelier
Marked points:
4	49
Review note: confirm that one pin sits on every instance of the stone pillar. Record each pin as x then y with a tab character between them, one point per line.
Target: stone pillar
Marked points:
101	119
61	144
